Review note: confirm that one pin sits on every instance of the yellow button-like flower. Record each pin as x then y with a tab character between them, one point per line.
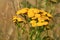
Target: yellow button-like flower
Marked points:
19	19
36	10
14	18
39	24
30	13
49	15
40	19
22	11
44	13
45	23
37	15
33	23
45	18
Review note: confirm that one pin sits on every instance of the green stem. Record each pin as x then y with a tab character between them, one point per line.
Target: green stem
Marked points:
38	35
18	33
18	26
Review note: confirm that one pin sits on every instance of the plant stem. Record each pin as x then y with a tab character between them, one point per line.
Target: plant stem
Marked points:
18	26
18	33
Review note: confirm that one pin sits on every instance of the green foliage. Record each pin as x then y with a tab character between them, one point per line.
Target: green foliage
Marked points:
18	24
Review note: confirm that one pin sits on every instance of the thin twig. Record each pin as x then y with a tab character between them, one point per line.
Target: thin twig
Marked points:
36	4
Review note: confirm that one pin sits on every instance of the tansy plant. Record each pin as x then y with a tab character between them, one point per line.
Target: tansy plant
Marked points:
37	20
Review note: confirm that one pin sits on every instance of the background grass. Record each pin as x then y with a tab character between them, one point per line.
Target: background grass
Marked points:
9	7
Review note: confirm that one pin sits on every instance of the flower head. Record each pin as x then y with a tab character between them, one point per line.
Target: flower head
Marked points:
37	15
49	15
30	13
44	13
36	10
14	18
33	23
19	19
39	24
45	23
22	11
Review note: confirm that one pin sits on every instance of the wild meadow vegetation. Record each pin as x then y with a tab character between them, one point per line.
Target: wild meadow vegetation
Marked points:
33	22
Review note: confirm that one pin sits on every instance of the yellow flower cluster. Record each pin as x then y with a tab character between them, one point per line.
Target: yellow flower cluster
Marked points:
38	17
15	18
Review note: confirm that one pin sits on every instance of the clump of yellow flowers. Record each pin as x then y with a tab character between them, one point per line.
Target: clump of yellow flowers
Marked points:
38	17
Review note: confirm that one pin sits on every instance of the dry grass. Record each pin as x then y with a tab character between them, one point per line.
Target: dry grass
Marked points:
7	27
